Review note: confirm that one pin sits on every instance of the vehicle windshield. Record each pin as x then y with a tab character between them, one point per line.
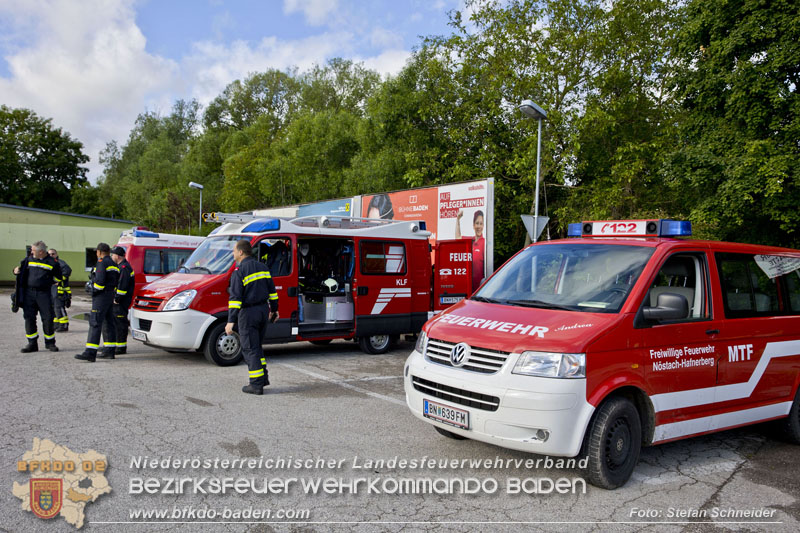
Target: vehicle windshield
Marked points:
213	256
574	277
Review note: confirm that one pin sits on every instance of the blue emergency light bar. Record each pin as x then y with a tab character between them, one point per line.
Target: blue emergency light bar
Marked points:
631	228
263	224
143	233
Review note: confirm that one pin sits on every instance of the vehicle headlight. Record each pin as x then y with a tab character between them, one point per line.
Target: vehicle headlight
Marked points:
551	365
422	343
180	301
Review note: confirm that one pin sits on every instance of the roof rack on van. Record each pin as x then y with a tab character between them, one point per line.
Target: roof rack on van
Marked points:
314	221
224	218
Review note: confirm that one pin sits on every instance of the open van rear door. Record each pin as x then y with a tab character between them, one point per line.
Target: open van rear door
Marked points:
276	251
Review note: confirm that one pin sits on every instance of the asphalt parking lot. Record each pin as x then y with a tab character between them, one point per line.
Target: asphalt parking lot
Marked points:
347	409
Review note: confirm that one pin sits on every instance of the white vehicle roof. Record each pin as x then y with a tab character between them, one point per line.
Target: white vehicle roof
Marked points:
139	237
318	226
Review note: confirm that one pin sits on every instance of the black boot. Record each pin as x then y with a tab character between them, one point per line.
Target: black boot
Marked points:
106	355
64	328
57	328
31	347
249	389
266	377
122	351
86	357
51	347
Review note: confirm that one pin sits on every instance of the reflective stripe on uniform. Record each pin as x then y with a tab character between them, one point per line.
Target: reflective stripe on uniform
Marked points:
112	268
122	293
273	296
40	265
257	373
232	304
32	335
98	287
122	345
49	337
90	345
256	276
264	361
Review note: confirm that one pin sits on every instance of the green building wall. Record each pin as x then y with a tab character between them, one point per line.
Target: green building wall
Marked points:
68	233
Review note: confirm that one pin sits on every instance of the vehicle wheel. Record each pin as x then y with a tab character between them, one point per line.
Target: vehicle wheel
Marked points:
789	427
321	343
449	434
613	443
221	348
376	344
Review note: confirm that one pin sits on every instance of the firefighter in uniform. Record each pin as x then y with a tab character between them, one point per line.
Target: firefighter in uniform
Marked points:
123	297
39	271
61	293
251	290
104	285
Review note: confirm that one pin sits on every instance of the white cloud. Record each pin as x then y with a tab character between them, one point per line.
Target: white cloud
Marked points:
212	66
86	66
317	12
389	62
382	38
87	59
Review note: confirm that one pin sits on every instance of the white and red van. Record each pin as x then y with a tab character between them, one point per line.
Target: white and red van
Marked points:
361	279
625	336
153	255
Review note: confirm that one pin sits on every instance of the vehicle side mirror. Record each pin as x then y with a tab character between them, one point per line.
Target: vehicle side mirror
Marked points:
669	306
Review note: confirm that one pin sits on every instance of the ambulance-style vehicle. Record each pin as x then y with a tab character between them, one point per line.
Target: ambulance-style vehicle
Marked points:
153	255
623	337
337	278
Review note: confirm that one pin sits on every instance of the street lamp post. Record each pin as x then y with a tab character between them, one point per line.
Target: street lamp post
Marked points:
532	110
194	185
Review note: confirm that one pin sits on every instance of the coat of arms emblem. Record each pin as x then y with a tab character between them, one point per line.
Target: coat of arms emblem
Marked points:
46	497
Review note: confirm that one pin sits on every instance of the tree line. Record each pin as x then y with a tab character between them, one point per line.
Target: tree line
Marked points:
656	108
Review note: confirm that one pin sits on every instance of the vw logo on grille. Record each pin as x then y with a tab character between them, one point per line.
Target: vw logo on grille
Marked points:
459	354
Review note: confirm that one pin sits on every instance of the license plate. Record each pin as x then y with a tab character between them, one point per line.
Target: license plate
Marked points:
450	299
445	414
139	335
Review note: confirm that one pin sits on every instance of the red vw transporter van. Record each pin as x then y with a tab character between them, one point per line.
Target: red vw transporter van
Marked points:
623	337
362	279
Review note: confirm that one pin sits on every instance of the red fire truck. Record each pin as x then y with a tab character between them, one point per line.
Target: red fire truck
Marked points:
337	278
623	337
153	255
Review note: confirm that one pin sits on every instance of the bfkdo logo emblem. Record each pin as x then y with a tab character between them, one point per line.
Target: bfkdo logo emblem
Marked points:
46	497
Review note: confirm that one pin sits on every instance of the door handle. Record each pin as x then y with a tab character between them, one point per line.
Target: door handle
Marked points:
362	291
712	332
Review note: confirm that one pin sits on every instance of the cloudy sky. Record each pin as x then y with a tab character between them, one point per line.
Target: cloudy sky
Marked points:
94	65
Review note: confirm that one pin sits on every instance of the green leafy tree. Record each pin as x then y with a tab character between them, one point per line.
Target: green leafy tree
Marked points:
627	123
739	156
297	156
142	180
40	165
272	94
